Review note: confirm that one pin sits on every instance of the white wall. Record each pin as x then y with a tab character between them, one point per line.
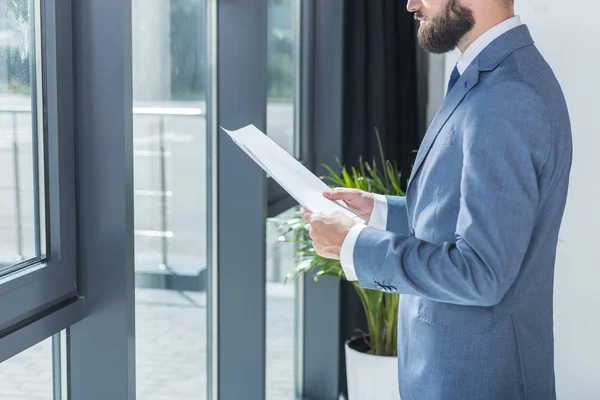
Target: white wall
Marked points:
568	35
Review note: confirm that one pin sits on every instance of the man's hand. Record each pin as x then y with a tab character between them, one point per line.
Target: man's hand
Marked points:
328	232
359	201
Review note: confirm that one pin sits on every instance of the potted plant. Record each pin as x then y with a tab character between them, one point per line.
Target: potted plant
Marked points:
371	358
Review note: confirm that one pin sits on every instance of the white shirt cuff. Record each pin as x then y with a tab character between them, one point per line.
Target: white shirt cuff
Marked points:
347	252
380	213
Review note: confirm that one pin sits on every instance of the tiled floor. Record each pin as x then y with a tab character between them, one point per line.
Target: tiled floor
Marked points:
28	376
171	350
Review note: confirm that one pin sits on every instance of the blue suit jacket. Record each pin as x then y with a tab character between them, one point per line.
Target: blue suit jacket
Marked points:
472	246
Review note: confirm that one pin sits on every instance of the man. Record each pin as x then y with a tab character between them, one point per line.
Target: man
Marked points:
472	246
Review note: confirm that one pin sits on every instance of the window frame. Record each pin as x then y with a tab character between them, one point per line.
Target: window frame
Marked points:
103	343
238	310
321	123
42	296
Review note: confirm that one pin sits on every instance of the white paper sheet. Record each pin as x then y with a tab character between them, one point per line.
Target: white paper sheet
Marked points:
295	178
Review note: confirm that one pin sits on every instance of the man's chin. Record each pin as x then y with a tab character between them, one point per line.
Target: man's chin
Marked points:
435	51
434	48
429	48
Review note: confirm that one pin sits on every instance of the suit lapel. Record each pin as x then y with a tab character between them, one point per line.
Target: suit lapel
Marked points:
488	60
463	86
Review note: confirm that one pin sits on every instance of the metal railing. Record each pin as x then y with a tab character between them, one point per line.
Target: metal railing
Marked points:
14	111
162	155
163	231
163	193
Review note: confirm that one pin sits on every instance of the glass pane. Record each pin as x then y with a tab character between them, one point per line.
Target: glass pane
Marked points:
282	299
21	177
28	375
171	190
282	54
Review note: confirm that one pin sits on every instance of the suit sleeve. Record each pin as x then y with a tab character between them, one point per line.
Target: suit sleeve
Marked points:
378	220
397	215
505	146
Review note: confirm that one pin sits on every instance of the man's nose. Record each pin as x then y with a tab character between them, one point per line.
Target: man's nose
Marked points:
413	5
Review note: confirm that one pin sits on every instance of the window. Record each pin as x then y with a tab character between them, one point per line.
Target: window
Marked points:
282	298
39	373
28	375
283	71
170	168
283	90
37	180
22	189
282	310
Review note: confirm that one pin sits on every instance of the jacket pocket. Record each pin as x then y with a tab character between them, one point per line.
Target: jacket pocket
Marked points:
468	319
444	138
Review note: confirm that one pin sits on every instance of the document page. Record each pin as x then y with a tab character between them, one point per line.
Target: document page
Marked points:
306	188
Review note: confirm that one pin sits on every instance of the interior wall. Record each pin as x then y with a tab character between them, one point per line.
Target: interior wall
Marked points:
569	43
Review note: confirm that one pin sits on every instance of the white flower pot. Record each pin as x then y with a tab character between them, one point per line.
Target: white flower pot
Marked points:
368	376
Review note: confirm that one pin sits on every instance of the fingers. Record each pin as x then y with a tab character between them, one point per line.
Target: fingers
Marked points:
305	214
321	228
327	252
312	232
311	219
342	194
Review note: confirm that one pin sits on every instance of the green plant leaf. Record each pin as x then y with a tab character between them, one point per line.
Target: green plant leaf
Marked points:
381	152
347	178
381	309
333	177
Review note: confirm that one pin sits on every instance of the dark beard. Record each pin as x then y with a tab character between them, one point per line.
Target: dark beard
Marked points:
443	33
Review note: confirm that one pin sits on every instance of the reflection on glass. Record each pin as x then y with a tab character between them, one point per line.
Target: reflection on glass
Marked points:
282	56
21	190
28	375
170	127
281	311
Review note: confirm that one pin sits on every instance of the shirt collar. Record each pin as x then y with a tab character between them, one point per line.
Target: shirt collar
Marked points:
484	40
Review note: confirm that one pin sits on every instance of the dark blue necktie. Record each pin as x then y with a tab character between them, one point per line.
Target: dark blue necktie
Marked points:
453	79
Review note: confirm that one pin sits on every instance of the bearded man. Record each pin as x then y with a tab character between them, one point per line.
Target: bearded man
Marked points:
472	246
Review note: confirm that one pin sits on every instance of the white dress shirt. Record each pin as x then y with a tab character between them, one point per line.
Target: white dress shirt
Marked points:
484	41
380	209
378	221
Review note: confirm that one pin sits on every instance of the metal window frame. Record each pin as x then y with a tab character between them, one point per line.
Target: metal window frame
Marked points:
103	343
238	264
212	179
41	298
322	91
